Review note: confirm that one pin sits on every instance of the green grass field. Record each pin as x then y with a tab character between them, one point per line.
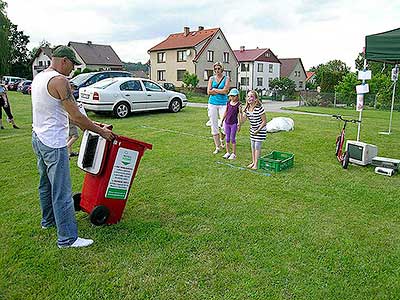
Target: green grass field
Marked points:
196	228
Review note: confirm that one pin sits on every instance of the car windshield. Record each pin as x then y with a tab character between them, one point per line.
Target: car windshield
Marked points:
79	79
104	83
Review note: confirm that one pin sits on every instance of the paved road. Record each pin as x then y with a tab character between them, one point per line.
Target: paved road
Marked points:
272	106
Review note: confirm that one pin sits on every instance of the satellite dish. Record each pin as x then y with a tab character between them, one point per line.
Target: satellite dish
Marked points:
188	52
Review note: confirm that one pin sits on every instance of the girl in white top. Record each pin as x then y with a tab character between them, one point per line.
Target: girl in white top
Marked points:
254	111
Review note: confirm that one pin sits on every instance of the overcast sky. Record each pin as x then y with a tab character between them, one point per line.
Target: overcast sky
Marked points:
315	30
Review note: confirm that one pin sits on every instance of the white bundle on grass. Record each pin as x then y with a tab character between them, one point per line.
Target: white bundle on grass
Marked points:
280	124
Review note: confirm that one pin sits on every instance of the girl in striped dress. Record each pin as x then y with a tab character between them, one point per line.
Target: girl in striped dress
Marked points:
254	111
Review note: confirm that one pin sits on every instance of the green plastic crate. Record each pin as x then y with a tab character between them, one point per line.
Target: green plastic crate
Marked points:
276	161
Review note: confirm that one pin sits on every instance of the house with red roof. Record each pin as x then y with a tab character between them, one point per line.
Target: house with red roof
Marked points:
257	67
293	69
194	52
310	77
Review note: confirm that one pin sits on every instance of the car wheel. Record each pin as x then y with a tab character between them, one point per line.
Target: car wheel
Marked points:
77	201
99	215
121	110
175	105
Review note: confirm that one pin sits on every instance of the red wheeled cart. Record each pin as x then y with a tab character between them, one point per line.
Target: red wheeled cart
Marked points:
111	168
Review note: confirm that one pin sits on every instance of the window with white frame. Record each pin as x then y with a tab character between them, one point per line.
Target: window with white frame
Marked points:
244	67
179	74
161	75
244	81
300	84
227	73
226	57
259	81
210	55
271	68
260	67
181	56
161	57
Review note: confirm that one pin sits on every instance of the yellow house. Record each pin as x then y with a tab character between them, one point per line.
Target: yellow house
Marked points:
194	52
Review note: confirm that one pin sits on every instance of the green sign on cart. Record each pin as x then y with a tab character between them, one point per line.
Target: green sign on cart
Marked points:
122	173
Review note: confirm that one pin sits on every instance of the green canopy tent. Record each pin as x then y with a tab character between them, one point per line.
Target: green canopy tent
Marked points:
385	47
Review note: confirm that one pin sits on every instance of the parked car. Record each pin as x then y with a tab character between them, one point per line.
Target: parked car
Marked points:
13	84
169	86
86	79
23	85
124	95
9	79
29	90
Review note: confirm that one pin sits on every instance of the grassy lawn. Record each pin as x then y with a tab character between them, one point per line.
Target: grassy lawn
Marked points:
196	228
197	98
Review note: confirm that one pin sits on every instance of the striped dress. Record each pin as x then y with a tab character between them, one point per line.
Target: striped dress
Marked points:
255	122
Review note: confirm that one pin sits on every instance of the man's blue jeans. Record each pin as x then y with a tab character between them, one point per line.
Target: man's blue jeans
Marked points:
55	191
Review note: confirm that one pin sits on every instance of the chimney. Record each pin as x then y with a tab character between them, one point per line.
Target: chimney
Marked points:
201	28
89	42
241	48
186	31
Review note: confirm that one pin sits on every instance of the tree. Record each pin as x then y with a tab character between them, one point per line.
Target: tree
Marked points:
283	86
328	75
346	89
19	56
375	67
4	43
190	80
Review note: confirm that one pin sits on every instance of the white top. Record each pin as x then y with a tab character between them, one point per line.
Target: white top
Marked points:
50	120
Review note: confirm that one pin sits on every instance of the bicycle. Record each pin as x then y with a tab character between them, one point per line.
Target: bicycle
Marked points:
343	156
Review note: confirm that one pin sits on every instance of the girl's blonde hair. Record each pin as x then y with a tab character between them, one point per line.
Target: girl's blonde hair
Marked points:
257	100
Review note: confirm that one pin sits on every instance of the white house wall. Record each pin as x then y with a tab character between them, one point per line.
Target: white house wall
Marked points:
253	74
45	61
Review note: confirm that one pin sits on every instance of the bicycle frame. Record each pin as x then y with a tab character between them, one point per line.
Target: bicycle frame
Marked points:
342	156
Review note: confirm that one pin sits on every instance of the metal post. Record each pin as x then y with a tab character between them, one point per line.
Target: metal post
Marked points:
360	115
391	109
334	100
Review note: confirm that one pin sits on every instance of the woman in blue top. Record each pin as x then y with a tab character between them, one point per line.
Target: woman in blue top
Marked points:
218	88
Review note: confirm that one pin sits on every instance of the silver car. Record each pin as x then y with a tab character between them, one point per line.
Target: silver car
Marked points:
126	94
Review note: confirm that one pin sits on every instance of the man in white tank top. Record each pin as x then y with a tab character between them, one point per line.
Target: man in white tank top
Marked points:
52	105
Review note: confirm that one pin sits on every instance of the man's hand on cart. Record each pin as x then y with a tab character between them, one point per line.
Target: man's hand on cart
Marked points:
107	134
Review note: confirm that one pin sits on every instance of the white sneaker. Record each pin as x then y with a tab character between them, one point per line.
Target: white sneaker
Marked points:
80	242
226	155
232	156
216	151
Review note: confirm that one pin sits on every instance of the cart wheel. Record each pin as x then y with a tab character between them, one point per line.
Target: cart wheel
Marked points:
346	159
77	201
99	215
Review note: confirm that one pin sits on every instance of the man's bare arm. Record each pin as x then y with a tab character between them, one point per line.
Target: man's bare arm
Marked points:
60	88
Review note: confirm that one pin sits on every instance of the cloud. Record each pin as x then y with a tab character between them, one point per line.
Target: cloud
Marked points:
315	30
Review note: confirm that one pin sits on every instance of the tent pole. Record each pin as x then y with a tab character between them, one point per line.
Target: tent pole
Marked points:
391	109
360	114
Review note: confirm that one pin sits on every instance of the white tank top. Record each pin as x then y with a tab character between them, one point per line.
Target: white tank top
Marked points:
50	120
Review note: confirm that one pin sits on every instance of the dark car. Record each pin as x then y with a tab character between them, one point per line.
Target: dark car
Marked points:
23	85
12	86
86	79
169	86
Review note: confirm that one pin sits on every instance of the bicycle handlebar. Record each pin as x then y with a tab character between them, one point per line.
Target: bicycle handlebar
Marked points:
339	117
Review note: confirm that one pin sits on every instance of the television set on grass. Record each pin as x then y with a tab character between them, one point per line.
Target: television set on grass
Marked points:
361	153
